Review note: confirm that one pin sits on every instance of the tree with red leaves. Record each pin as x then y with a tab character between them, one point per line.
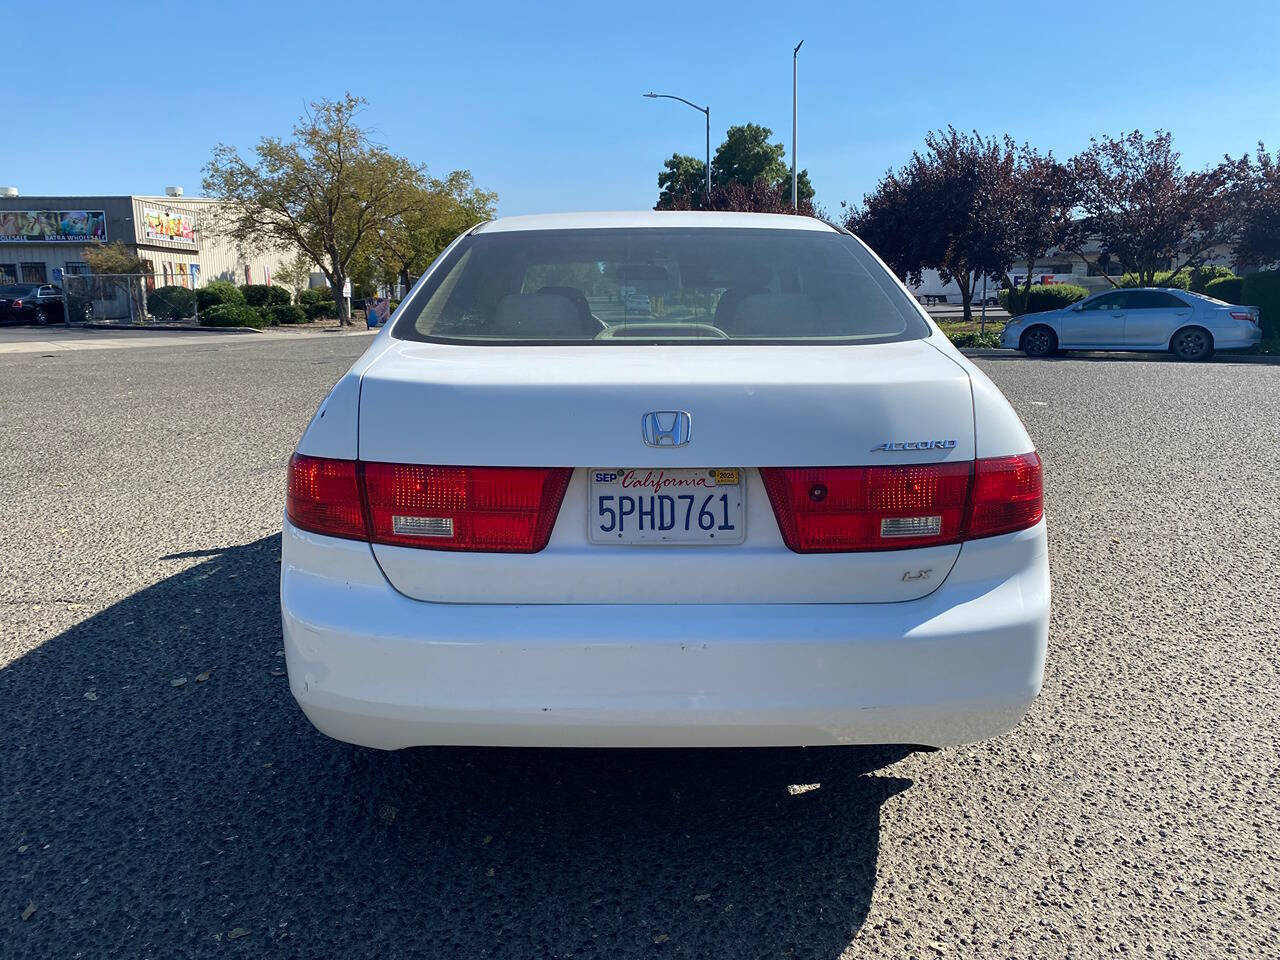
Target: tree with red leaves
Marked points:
953	208
1144	210
1256	210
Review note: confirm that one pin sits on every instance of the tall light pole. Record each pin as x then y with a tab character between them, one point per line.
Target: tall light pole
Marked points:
795	61
704	110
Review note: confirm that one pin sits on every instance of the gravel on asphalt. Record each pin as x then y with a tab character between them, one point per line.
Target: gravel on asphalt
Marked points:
161	795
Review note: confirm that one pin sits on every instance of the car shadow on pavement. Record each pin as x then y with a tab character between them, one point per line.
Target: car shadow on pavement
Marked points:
162	795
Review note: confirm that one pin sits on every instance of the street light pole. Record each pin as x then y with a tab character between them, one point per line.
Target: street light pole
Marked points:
795	59
706	111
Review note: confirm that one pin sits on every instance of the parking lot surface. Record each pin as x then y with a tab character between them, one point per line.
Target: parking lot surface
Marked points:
161	796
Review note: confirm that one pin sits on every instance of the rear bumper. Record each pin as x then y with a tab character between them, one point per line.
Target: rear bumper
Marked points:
373	667
1244	336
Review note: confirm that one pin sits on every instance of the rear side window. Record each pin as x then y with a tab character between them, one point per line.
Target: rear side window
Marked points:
647	285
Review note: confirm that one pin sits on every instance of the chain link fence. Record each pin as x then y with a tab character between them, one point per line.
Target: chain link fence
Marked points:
128	299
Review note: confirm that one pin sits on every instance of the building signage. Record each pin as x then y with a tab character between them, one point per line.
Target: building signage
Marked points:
168	226
52	226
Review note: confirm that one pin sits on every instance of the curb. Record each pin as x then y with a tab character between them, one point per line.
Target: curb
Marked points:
155	328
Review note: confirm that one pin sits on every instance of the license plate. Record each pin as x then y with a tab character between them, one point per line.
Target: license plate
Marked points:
642	505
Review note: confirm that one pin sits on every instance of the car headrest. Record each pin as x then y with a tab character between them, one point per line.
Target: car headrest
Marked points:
727	305
573	295
773	314
540	316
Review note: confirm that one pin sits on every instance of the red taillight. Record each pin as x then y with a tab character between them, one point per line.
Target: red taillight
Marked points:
829	509
1243	315
495	509
1008	495
849	509
323	496
17	305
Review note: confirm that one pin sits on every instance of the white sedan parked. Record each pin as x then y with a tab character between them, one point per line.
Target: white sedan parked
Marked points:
778	508
1190	325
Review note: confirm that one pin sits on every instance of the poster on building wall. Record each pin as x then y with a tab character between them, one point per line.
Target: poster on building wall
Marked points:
168	226
52	226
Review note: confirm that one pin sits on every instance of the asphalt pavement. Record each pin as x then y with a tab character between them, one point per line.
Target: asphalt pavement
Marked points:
161	796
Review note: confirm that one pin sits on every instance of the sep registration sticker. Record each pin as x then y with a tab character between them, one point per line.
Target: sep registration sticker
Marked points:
723	477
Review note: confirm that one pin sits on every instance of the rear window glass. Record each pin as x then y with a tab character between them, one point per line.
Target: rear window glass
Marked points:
1206	297
20	290
611	286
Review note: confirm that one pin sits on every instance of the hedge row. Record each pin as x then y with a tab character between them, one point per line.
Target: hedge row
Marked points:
171	303
1263	290
1052	297
261	295
318	302
274	304
1197	280
233	315
243	315
1227	289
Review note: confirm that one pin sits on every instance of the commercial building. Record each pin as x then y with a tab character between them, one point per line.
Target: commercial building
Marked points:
43	239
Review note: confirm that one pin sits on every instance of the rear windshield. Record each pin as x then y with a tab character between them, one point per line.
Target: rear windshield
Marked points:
1204	296
653	285
11	290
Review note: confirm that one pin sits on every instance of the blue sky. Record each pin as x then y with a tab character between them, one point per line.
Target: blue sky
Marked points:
543	101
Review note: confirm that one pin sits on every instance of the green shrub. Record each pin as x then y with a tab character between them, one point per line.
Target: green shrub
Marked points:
218	292
261	295
232	315
171	303
286	313
1052	297
314	295
1201	277
1225	288
1263	290
320	308
974	338
1196	280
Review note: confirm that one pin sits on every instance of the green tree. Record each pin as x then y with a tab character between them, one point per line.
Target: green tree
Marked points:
113	258
326	191
441	209
294	273
682	176
122	266
746	159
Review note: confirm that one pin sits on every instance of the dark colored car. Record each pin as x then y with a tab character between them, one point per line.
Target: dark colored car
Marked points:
38	303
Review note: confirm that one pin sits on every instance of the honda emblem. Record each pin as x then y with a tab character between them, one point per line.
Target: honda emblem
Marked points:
666	428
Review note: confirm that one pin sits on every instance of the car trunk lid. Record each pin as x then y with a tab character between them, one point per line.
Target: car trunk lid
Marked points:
749	407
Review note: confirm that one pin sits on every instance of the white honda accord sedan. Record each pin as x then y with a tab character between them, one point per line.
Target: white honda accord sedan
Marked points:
663	479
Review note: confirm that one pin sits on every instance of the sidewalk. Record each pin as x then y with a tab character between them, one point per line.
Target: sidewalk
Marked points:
59	339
